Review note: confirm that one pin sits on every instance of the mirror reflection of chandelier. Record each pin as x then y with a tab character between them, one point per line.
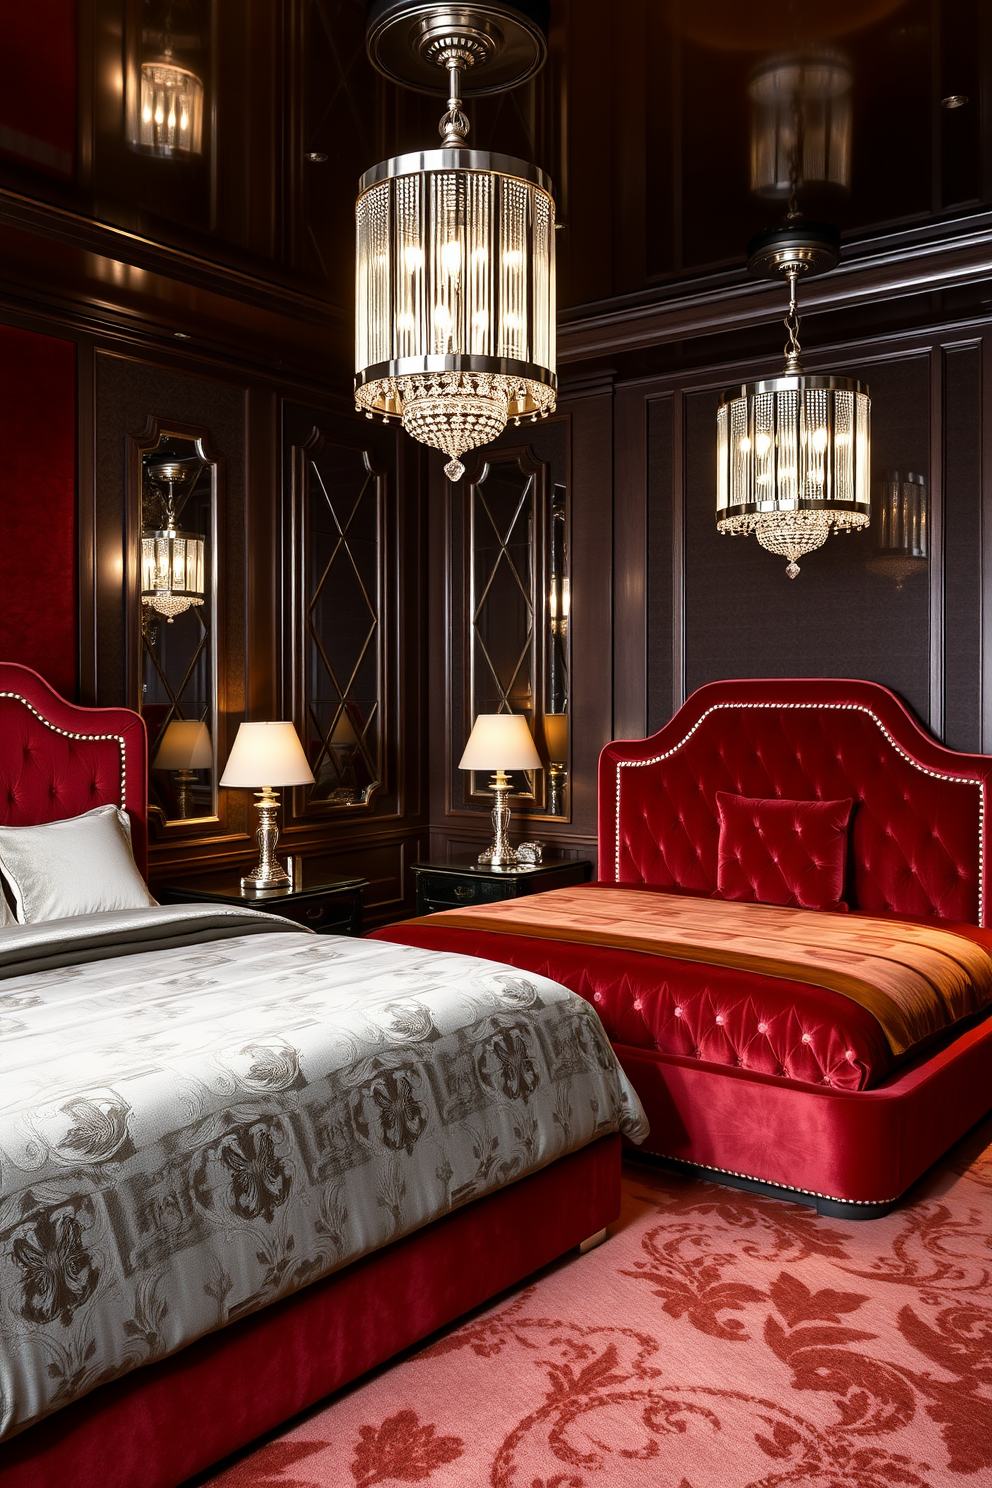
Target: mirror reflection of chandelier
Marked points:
165	97
902	539
793	451
800	124
455	330
171	560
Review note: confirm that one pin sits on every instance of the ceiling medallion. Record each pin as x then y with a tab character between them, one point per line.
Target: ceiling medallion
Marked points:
793	451
455	291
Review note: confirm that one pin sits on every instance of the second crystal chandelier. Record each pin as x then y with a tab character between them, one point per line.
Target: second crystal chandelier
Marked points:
455	324
793	451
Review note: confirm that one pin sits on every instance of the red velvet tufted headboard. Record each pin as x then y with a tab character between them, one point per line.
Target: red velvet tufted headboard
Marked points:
58	760
919	831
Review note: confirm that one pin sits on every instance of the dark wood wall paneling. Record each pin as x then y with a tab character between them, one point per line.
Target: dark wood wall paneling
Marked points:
231	310
577	444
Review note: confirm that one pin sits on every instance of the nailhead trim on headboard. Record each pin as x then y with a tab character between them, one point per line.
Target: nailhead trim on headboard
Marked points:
67	734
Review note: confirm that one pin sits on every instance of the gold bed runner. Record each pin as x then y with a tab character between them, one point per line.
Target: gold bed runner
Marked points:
914	979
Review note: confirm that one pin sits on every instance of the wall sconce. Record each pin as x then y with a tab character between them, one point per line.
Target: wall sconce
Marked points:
902	519
171	560
164	95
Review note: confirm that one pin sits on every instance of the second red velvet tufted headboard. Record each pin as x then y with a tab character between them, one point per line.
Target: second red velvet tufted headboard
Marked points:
58	760
919	831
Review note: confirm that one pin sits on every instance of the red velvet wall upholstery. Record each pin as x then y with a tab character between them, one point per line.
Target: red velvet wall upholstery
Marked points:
919	833
38	616
38	98
58	760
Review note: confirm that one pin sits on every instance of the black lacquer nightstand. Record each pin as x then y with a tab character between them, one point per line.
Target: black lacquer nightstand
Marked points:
332	906
454	884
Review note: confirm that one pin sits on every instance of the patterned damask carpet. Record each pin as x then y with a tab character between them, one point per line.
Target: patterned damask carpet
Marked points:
717	1340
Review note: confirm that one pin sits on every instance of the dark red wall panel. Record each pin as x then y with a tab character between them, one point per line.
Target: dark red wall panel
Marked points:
38	100
38	582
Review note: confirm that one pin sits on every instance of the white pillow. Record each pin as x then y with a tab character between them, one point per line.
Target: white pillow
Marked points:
83	865
6	918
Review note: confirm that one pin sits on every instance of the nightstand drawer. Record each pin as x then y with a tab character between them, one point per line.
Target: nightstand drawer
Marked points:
329	916
450	891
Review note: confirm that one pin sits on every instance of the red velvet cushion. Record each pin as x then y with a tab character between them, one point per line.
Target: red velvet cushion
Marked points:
782	852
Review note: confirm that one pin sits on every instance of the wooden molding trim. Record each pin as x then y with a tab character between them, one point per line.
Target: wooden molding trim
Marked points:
60	225
888	270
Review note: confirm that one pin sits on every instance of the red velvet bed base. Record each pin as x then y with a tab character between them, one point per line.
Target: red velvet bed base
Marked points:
782	1112
158	1426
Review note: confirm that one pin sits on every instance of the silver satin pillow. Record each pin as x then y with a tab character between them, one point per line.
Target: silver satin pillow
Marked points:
83	865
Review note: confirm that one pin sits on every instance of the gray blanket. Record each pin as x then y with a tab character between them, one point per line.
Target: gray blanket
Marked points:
202	1110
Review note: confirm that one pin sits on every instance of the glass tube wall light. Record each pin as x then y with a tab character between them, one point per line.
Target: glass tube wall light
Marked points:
164	93
793	451
455	272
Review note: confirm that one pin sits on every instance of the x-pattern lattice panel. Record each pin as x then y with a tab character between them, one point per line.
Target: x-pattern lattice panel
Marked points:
342	628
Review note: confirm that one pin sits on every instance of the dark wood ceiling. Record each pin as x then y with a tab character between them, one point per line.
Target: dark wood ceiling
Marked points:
641	116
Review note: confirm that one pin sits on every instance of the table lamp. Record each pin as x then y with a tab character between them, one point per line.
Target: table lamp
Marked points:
185	748
500	742
266	755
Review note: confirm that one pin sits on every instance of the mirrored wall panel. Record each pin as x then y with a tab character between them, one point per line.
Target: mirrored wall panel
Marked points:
178	568
519	599
342	635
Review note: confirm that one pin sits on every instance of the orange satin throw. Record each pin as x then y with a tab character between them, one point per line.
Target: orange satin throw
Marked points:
916	980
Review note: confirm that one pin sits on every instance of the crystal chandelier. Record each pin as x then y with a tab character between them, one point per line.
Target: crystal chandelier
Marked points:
793	451
171	560
455	289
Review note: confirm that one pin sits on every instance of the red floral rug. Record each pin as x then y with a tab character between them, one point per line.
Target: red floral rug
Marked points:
716	1340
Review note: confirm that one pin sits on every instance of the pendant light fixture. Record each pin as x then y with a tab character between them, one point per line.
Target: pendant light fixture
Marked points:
801	109
793	451
455	287
171	560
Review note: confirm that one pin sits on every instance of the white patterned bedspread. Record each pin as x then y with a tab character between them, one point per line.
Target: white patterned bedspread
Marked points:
189	1133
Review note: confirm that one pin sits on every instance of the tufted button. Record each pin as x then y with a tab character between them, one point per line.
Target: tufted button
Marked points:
848	1053
638	1004
762	1027
678	1012
807	1038
597	997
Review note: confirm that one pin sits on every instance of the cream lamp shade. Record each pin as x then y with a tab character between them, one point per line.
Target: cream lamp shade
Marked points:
500	741
266	754
185	746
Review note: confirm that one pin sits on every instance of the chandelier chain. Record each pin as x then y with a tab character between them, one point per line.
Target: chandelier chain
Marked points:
793	348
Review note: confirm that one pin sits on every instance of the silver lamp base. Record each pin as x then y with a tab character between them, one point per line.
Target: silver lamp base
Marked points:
499	853
268	872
